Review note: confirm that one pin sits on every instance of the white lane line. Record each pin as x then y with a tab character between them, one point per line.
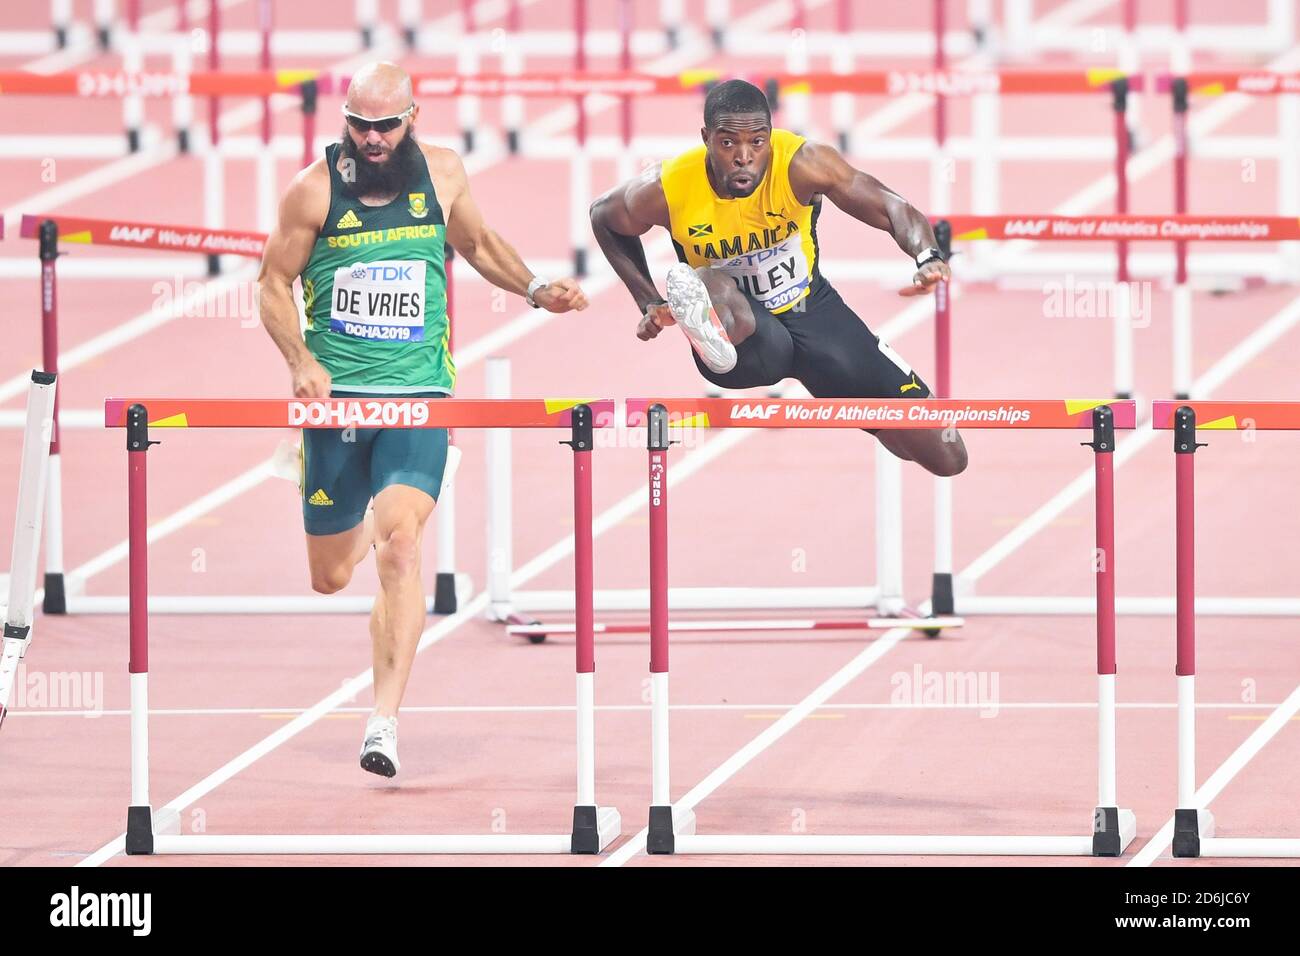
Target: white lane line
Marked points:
729	767
1221	777
629	708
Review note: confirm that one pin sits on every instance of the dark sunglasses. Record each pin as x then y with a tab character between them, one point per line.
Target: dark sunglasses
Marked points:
383	124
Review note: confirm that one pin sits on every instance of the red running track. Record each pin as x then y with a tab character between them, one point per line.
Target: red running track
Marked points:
487	733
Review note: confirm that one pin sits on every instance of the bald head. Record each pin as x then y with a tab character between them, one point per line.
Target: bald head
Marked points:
379	89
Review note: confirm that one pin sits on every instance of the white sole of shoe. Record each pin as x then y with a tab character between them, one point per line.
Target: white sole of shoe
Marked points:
688	300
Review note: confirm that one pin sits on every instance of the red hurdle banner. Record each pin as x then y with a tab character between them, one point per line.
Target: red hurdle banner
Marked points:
1194	824
671	828
878	413
1110	228
593	826
357	413
154	84
1230	416
165	84
1217	83
148	235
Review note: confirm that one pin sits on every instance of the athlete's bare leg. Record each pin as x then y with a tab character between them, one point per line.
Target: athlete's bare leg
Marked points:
398	616
332	557
939	451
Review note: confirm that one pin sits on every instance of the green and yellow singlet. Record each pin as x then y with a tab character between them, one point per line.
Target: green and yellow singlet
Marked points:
767	241
375	291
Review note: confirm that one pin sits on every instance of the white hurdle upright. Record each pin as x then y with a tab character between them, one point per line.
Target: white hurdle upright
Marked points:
32	475
672	828
518	608
594	826
1194	825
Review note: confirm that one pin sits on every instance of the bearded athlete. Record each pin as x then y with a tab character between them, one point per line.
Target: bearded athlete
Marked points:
366	229
748	290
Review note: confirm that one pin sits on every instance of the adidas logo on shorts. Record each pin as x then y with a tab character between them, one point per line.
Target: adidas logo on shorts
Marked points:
320	498
349	221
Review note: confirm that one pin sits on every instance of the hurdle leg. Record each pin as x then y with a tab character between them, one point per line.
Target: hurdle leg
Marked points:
1112	828
889	533
55	600
664	823
499	505
593	827
1191	824
32	479
941	586
139	815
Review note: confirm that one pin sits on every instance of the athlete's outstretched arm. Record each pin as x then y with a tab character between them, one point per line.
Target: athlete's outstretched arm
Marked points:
302	210
618	220
491	256
818	169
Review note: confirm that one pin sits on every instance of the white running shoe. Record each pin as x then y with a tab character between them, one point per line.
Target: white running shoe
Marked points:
688	301
379	748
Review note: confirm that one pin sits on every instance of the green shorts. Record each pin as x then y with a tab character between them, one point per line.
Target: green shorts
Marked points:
343	468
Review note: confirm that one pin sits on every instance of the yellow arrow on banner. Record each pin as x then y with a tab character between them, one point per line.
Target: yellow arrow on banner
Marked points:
172	421
1073	406
980	233
1100	76
294	77
83	237
698	420
693	78
554	405
1210	89
1225	424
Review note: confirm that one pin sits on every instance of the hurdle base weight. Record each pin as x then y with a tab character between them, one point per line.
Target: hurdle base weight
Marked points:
665	824
1191	826
1113	829
594	828
139	831
56	599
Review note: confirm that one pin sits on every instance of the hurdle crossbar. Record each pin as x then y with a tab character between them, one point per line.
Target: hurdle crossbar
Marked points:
593	826
1194	825
672	829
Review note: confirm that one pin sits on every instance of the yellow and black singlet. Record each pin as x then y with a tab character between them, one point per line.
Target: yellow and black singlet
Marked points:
767	241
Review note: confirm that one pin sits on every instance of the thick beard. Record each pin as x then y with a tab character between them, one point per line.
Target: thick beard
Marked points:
392	176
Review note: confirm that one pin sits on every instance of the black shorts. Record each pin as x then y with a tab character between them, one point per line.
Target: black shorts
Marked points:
825	346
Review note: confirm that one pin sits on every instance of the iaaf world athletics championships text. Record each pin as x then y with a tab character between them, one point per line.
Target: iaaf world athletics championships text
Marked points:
1005	414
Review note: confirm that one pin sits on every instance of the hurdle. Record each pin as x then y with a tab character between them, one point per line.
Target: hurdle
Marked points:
594	826
63	596
32	480
518	610
1284	149
1177	229
1026	37
1194	826
951	595
672	830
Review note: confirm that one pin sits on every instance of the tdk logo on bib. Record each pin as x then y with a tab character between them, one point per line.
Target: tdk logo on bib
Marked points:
380	300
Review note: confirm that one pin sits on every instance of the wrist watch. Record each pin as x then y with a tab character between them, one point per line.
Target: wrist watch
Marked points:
534	287
927	256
